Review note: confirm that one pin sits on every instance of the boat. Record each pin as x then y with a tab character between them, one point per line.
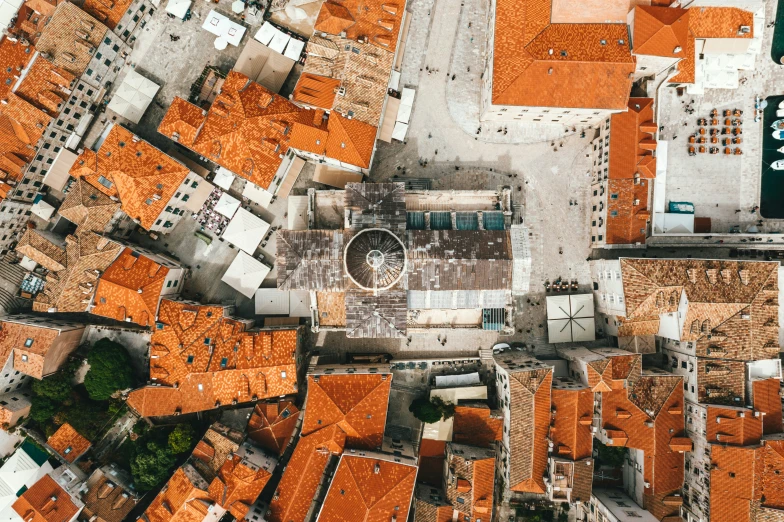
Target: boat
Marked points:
781	149
778	134
777	165
781	104
780	113
778	124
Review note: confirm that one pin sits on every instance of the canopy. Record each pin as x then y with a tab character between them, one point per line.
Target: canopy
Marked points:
279	41
58	175
263	65
257	194
570	318
222	27
133	96
298	213
227	205
245	231
223	178
292	303
178	8
42	209
245	274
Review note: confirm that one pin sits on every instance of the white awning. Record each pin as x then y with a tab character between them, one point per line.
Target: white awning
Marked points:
42	209
294	49
178	8
245	231
8	10
133	96
227	205
291	303
223	178
570	318
245	274
223	27
58	175
257	194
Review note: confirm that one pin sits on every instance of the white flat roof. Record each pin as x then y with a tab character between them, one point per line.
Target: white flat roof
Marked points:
227	205
245	231
223	27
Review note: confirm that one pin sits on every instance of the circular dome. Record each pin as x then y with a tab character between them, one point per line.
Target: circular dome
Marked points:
375	259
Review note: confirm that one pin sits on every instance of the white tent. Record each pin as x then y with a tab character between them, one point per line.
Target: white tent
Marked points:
178	8
58	174
42	209
223	178
279	41
222	27
227	205
570	318
245	274
245	231
257	194
298	213
8	10
133	96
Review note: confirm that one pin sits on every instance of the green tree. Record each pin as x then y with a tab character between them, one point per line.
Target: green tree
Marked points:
181	438
431	410
150	466
110	370
56	387
42	408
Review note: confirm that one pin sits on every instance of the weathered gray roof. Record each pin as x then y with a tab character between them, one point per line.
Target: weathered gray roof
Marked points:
310	260
375	316
381	205
459	259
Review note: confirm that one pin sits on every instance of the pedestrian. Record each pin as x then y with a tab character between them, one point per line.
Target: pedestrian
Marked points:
737	211
453	77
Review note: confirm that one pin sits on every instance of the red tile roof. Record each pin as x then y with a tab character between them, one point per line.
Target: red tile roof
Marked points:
109	12
249	129
272	424
130	289
660	31
369	489
181	500
141	176
733	478
45	86
375	21
203	360
342	411
314	90
45	501
571	431
14	58
530	424
68	443
736	426
539	64
431	462
476	426
767	400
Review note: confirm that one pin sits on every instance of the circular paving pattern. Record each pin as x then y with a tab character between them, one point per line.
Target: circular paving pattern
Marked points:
375	259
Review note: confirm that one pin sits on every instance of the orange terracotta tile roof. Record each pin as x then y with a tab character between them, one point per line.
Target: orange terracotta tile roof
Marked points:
45	501
70	38
539	64
733	308
369	489
106	499
68	443
431	462
315	90
711	22
470	481
736	426
767	400
14	58
530	424
375	21
202	360
130	289
476	426
108	12
733	482
141	176
571	435
238	485
631	168
305	470
342	411
183	499
660	31
13	338
248	130
45	86
21	126
772	488
272	424
87	207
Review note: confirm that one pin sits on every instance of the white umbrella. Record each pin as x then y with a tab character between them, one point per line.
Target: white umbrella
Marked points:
238	6
221	43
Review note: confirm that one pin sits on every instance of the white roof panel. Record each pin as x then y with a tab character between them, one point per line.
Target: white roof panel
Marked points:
559	331
557	307
294	49
583	329
265	33
257	194
245	274
299	303
223	178
227	205
178	8
223	27
279	41
400	131
245	231
582	305
271	301
298	213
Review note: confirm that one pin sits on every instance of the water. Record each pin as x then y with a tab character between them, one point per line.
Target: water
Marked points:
772	193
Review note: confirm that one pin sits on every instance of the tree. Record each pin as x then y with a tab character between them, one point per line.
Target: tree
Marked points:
42	408
432	410
110	370
56	387
150	466
181	438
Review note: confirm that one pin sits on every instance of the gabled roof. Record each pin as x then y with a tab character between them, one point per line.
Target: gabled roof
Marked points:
109	13
88	207
542	64
476	425
45	501
184	499
571	432
660	31
15	337
68	443
45	86
141	176
106	499
129	290
470	483
62	38
374	21
272	424
202	360
369	489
